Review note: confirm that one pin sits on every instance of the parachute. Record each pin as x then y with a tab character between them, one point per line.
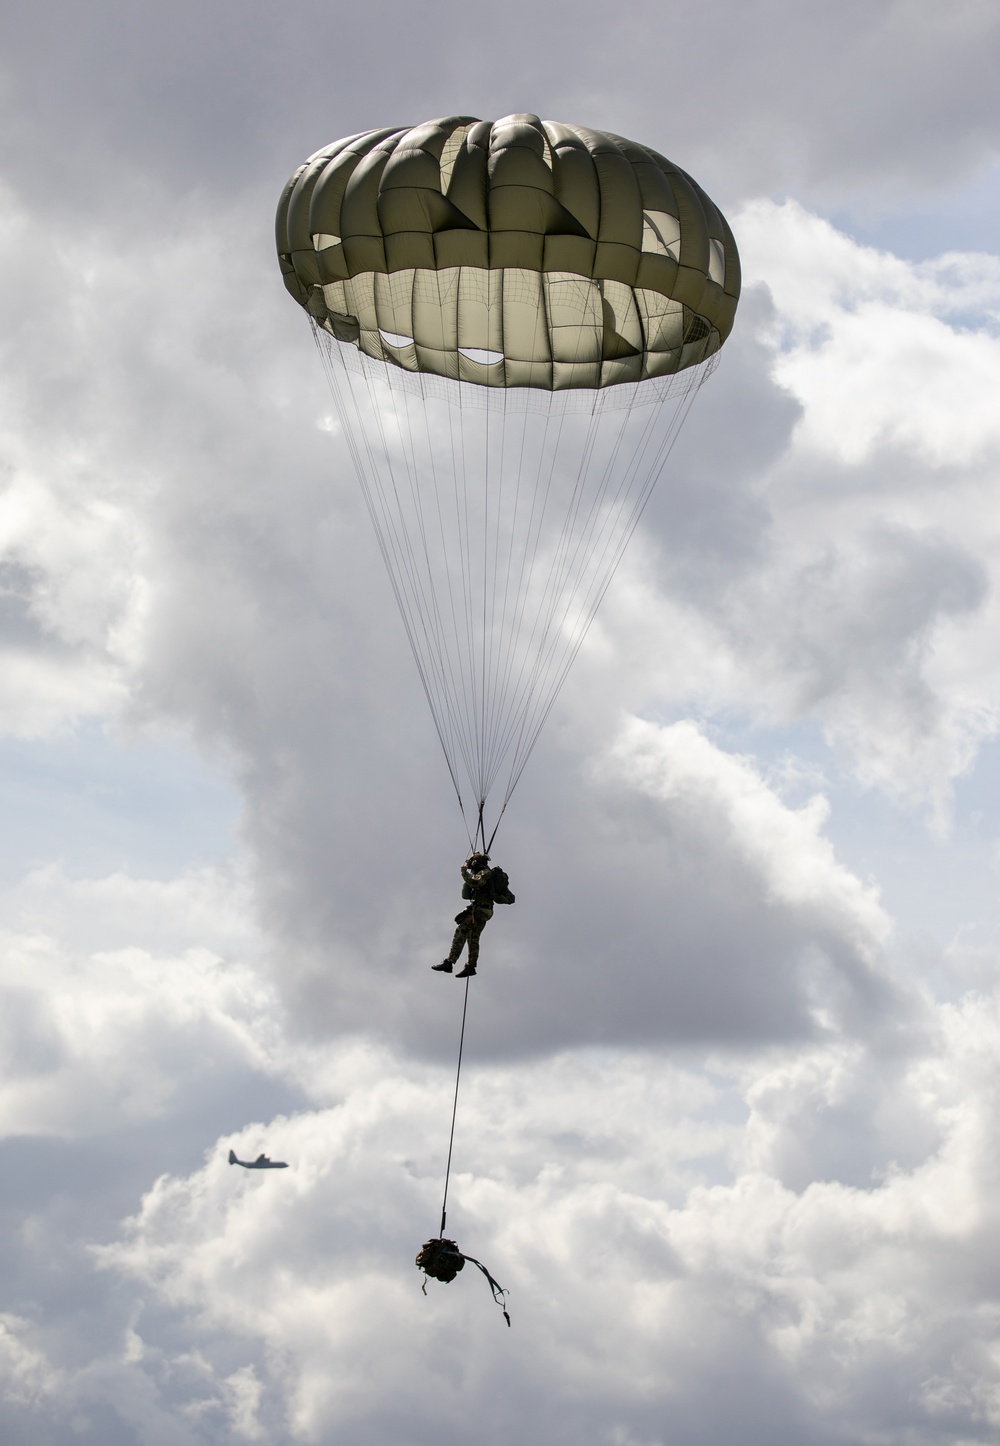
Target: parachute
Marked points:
514	317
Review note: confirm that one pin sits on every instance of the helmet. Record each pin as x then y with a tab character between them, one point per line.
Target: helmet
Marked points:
477	861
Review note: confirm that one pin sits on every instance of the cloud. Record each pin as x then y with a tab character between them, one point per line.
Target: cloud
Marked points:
730	1156
796	866
124	1032
658	1195
881	353
596	1204
250	612
840	567
881	99
824	555
700	927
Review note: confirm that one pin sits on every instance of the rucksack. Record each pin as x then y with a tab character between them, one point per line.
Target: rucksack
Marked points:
500	887
440	1259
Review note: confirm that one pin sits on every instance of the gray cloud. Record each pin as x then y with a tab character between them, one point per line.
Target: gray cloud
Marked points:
753	98
734	1162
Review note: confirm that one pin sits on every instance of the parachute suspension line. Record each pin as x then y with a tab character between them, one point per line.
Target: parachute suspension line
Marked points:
461	547
645	492
457	696
480	781
456	693
532	727
456	420
390	545
431	613
501	517
535	715
417	608
511	698
456	432
455	683
491	544
540	496
546	633
495	630
561	585
507	625
501	680
503	809
454	1111
542	638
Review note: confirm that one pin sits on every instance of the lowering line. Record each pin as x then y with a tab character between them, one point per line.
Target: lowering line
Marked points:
440	1258
454	1110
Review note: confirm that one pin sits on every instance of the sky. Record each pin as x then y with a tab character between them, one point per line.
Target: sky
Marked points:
728	1123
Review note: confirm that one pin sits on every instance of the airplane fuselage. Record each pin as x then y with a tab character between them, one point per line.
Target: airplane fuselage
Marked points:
261	1163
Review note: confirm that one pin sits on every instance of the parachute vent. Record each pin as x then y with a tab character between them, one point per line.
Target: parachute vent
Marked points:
394	338
479	354
661	234
449	155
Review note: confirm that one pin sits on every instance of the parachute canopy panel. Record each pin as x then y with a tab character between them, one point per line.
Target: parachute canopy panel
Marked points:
517	253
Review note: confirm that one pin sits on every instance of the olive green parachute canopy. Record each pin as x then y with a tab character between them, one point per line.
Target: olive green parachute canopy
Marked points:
515	318
512	253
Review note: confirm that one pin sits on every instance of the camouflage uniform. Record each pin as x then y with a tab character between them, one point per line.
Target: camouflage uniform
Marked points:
472	921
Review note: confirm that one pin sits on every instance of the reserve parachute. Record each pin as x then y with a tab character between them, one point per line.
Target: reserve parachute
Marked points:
514	317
